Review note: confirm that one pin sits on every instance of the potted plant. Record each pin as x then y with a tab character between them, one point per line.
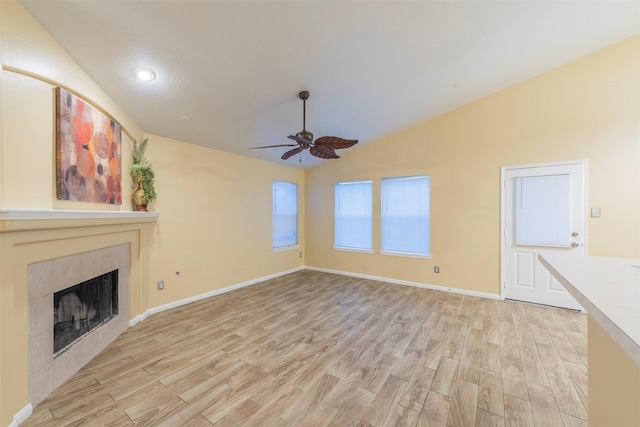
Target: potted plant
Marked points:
143	177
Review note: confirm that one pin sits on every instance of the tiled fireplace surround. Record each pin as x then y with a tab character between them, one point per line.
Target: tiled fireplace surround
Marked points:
44	279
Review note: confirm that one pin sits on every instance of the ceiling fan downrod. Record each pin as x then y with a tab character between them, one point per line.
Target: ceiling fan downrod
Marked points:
304	95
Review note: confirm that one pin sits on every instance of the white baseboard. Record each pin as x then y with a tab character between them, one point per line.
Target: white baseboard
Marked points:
194	298
408	283
22	415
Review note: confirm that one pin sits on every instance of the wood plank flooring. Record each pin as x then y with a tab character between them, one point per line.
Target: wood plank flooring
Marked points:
317	349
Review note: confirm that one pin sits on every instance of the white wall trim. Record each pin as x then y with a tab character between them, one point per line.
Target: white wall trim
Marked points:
408	283
545	165
154	310
194	298
22	415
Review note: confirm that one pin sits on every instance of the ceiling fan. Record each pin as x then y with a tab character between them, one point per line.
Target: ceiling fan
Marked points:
323	147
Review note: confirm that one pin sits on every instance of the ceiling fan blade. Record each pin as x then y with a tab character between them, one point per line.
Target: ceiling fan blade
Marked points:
271	146
298	139
324	153
290	153
334	142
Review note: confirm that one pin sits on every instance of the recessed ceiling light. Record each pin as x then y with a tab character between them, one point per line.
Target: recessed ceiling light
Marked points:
146	75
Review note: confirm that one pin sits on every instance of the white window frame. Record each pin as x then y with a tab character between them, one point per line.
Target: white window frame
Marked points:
383	202
338	247
274	216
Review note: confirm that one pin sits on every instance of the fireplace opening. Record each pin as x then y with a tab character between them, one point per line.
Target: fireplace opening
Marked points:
81	308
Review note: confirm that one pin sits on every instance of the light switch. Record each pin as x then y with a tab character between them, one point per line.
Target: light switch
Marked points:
595	212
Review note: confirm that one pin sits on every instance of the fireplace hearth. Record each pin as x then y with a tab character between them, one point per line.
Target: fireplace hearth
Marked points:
79	309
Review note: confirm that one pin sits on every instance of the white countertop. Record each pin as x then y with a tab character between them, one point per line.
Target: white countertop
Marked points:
609	289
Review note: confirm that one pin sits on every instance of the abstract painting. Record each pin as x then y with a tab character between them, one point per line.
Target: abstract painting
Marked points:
88	152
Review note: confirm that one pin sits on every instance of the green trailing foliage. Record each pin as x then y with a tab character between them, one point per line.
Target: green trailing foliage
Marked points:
142	171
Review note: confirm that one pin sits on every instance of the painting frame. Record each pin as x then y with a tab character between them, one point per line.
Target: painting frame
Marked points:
88	151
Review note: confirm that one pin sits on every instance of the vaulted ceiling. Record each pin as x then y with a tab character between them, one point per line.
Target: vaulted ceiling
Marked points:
228	73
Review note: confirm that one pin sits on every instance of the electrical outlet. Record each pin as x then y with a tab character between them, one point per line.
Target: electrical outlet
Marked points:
300	254
436	269
160	285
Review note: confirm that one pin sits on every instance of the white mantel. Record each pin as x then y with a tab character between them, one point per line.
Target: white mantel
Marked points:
16	214
18	219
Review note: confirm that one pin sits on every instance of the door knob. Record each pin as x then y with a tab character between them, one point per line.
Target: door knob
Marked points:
574	244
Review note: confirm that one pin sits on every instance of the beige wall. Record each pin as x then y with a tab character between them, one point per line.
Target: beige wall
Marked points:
587	109
215	208
215	219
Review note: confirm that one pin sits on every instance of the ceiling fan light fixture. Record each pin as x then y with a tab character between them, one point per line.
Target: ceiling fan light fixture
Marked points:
305	135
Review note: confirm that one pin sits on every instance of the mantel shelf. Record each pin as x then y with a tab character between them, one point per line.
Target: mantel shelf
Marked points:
22	219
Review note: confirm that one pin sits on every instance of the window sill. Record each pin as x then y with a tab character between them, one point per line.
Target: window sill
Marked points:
405	254
362	251
286	248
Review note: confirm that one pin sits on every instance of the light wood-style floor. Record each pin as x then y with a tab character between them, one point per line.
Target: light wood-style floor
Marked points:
317	349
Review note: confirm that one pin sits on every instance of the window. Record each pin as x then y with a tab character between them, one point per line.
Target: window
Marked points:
405	216
543	210
285	214
353	224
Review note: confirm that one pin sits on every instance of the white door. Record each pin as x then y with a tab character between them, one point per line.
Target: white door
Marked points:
544	209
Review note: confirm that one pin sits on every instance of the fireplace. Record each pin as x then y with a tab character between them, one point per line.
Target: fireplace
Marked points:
44	251
78	304
81	308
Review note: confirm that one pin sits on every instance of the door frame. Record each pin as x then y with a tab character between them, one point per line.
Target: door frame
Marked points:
503	210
